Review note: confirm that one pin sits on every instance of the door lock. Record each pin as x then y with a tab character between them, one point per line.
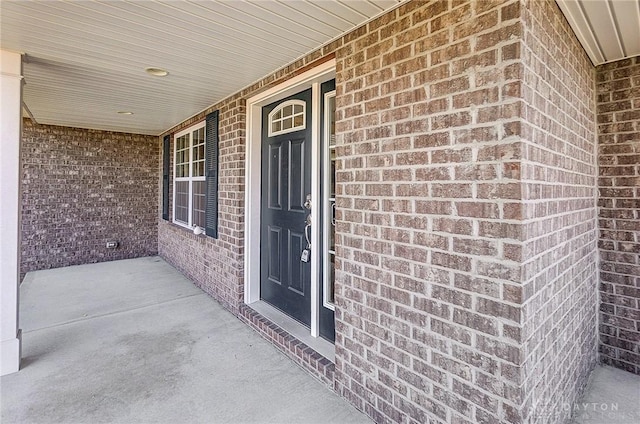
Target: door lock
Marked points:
307	202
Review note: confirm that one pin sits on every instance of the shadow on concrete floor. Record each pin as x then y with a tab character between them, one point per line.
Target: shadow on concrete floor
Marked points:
135	341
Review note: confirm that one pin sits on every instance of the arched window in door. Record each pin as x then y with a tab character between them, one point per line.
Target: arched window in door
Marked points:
287	117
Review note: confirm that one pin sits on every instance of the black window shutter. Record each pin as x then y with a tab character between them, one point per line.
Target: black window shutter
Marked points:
211	165
166	163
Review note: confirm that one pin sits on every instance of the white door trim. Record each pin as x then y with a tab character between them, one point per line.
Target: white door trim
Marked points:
253	166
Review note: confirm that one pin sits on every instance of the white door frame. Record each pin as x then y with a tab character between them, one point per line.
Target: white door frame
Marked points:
253	183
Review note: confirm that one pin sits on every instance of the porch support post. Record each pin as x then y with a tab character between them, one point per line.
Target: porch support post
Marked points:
11	125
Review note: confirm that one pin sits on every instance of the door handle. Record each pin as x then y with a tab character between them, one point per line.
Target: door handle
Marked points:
333	213
306	253
307	235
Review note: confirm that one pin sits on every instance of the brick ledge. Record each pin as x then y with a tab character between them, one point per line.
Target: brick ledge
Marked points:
313	362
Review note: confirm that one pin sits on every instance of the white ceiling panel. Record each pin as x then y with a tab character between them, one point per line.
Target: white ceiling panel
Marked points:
86	60
609	30
627	14
603	25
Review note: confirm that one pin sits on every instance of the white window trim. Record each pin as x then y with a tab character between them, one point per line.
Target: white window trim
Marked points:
281	107
190	178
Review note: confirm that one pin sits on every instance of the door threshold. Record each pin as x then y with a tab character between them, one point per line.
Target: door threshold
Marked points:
293	327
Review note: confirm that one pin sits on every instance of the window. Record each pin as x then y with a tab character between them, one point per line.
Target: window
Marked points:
288	117
189	185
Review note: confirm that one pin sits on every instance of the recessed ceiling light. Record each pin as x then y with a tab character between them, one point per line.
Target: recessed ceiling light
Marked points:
157	72
124	112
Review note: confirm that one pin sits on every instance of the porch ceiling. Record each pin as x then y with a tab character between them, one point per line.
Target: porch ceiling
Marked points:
85	61
609	30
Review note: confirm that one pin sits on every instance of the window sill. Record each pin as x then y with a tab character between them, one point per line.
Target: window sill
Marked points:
172	224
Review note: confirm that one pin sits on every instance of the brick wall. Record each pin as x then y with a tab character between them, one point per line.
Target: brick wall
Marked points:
429	240
559	256
216	265
82	188
466	218
618	96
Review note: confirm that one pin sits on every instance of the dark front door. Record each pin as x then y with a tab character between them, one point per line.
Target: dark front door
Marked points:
285	280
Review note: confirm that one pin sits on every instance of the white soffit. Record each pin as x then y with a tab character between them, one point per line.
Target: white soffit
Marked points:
86	60
609	30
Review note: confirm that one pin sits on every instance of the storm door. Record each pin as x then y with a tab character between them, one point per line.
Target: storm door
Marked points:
285	260
328	208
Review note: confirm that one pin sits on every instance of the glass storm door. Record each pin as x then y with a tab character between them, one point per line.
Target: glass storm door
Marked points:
328	207
285	277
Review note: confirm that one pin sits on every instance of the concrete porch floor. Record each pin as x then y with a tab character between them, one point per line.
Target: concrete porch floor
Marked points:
612	397
135	341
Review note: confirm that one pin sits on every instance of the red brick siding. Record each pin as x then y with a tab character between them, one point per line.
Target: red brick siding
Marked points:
466	239
216	265
559	273
428	234
303	355
618	91
82	188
